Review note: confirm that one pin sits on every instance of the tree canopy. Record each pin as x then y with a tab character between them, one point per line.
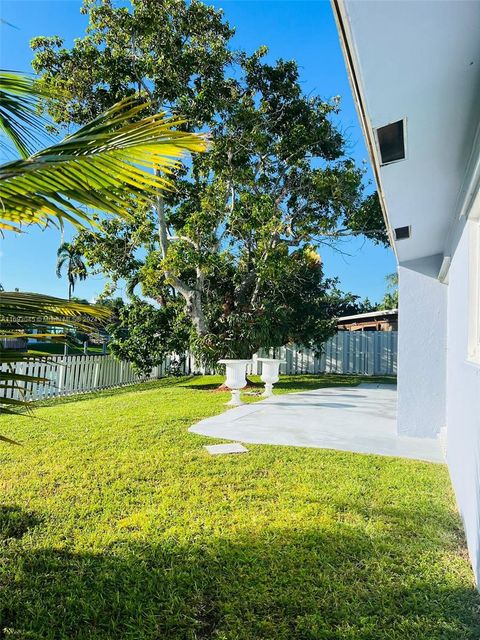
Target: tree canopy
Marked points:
232	254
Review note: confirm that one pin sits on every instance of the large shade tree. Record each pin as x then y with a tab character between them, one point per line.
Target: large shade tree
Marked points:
234	249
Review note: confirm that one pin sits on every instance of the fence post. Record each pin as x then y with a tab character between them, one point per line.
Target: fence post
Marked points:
61	367
96	373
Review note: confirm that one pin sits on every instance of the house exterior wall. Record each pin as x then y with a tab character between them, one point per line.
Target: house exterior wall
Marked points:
463	402
438	387
431	47
422	331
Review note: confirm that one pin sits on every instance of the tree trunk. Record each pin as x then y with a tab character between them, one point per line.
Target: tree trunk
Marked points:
195	309
191	295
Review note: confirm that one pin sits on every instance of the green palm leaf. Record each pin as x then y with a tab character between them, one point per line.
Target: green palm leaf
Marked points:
19	119
101	166
19	308
18	312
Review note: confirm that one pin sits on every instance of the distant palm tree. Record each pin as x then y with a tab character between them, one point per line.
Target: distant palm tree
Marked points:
390	299
76	269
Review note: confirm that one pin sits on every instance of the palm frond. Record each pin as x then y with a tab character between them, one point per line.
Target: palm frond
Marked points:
100	166
19	312
18	309
19	118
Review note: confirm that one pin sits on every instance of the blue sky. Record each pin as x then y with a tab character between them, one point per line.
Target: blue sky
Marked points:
292	29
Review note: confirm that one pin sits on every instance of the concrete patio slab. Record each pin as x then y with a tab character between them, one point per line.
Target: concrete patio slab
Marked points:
361	419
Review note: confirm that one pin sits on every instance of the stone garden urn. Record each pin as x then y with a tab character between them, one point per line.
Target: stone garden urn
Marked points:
236	378
270	374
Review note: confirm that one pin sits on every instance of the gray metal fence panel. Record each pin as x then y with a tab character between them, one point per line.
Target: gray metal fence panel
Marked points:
348	352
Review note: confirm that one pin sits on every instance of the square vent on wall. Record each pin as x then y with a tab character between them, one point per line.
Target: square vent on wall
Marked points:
402	233
391	142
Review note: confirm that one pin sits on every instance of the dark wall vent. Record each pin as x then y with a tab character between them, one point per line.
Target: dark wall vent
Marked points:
402	233
391	141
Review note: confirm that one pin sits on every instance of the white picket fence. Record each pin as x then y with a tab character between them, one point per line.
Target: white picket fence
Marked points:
67	375
368	353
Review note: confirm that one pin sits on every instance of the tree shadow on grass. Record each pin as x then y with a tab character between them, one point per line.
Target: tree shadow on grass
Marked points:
281	584
15	522
209	386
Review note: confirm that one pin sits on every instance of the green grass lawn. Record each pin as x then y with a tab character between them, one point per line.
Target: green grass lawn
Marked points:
117	524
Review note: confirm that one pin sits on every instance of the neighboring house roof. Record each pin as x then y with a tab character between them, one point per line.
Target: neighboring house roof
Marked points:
371	315
418	62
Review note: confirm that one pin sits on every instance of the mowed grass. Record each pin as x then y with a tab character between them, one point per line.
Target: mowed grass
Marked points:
117	524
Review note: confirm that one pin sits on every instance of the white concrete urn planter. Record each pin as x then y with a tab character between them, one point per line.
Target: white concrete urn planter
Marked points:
236	378
270	374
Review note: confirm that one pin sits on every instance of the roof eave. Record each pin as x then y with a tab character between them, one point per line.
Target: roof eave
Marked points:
346	42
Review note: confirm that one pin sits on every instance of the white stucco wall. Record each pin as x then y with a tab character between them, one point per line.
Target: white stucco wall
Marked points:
421	348
438	386
463	403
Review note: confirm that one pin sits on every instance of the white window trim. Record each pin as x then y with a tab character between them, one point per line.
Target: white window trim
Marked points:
474	287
